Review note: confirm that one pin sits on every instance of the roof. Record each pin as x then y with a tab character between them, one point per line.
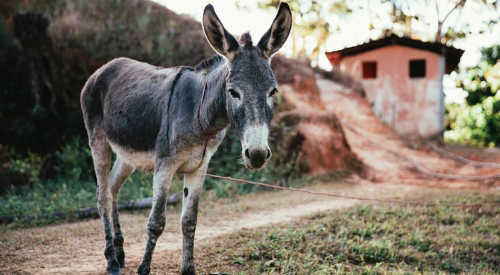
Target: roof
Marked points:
452	55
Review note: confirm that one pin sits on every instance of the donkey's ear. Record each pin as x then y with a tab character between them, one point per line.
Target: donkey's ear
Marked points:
276	36
218	37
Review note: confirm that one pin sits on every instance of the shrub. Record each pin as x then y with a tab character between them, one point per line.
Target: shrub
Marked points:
29	166
74	161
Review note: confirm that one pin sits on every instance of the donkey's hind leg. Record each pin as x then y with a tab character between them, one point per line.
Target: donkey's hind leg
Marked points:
101	154
119	174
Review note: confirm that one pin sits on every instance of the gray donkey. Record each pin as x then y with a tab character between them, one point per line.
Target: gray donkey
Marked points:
171	120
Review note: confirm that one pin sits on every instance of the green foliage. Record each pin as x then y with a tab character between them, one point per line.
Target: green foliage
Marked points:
478	122
74	161
374	239
29	166
491	55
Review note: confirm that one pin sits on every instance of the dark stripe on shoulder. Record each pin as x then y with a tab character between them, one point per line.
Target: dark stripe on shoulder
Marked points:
172	90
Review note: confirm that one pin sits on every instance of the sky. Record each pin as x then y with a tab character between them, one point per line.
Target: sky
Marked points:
353	32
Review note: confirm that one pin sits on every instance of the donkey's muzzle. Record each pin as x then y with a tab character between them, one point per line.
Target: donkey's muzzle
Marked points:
257	157
256	152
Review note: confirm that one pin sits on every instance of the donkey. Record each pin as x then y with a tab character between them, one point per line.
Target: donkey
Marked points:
171	120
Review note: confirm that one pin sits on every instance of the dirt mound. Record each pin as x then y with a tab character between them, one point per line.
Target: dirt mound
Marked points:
312	138
297	84
317	138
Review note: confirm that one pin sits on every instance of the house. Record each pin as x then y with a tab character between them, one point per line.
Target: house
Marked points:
403	80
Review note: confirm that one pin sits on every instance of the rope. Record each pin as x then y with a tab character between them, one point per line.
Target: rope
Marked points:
414	164
398	155
352	197
462	159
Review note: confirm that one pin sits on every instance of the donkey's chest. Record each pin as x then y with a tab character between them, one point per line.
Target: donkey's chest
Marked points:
194	158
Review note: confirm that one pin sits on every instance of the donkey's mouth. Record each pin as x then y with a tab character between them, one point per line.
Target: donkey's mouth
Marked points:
249	166
256	162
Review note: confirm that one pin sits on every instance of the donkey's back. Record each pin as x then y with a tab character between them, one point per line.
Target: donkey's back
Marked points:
124	100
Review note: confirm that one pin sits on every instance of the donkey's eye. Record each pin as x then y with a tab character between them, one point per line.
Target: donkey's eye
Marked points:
274	91
234	94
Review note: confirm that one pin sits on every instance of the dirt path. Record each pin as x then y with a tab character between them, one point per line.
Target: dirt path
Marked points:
77	248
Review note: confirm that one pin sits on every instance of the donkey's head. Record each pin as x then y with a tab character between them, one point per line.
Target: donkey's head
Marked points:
250	85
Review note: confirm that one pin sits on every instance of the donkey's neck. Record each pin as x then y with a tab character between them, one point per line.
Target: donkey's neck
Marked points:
212	113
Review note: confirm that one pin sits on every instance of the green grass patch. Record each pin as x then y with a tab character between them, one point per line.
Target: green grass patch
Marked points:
49	197
370	239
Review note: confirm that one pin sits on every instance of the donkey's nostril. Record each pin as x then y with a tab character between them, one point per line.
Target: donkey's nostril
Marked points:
268	154
247	153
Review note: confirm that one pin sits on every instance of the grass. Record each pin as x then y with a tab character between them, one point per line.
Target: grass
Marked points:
50	197
369	239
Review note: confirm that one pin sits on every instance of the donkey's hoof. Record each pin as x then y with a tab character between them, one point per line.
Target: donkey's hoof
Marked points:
189	270
113	270
113	267
143	269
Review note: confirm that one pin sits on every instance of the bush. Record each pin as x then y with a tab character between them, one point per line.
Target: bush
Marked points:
29	167
477	121
74	161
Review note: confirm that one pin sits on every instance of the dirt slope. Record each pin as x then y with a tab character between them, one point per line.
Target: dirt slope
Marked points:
382	166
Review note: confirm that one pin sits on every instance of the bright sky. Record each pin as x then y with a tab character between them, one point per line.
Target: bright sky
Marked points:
353	32
235	20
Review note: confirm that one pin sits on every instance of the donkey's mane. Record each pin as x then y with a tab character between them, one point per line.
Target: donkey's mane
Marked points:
246	40
209	62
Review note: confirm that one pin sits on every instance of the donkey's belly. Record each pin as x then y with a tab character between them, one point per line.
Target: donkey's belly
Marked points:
139	160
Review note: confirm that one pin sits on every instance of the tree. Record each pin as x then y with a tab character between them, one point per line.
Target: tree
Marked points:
311	20
479	121
429	20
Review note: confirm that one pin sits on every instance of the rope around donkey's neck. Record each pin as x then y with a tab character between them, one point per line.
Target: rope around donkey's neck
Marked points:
353	197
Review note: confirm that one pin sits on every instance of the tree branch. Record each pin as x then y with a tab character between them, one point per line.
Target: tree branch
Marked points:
459	4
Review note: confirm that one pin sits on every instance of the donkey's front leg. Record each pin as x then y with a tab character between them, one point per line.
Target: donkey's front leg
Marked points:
193	183
161	184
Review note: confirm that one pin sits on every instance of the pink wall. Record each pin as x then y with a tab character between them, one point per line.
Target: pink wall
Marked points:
411	106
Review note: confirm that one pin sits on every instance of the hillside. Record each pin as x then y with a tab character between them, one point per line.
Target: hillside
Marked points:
50	48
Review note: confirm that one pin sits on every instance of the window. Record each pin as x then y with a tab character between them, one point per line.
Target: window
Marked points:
417	68
369	70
